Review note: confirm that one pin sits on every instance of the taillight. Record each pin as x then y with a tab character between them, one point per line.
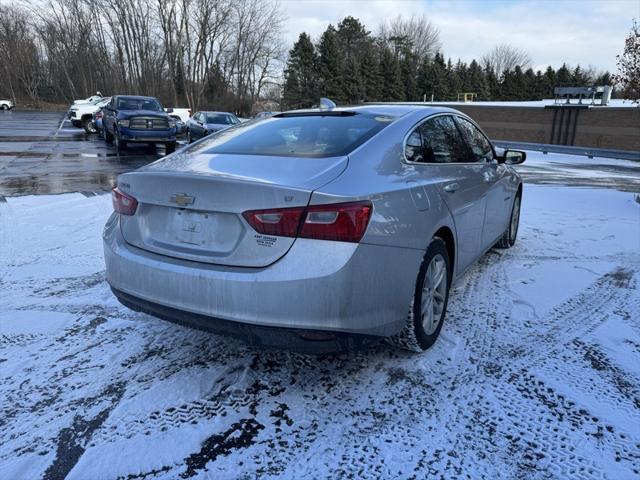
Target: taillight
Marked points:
122	203
98	114
281	222
343	222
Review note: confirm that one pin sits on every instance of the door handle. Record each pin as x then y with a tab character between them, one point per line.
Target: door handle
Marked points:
451	188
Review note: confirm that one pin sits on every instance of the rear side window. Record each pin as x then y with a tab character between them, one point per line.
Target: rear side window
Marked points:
304	135
442	141
477	142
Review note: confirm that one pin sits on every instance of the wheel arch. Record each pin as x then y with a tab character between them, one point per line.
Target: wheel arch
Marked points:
446	234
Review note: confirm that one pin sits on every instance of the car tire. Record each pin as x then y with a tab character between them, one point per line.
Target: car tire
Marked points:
170	147
88	125
189	139
4	107
509	237
426	314
108	137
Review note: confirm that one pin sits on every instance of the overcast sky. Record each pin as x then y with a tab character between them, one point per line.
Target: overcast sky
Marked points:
587	32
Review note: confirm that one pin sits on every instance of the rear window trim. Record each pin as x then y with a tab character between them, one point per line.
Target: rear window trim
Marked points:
202	144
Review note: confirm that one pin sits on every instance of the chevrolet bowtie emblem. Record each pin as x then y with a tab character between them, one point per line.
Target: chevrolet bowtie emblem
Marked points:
182	199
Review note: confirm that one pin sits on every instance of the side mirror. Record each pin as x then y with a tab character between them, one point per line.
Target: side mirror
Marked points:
513	157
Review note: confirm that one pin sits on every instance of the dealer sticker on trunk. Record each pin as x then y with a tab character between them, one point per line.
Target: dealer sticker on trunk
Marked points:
265	240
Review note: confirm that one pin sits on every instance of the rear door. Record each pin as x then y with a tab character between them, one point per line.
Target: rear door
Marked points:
461	186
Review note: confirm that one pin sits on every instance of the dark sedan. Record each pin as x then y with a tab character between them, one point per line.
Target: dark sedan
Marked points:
202	124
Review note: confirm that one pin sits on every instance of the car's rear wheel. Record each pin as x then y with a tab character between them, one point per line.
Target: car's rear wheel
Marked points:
108	136
508	240
429	306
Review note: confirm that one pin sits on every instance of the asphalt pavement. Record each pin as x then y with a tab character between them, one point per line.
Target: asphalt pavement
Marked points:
42	153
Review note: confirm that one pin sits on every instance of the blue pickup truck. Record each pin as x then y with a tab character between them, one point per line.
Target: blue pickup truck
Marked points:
135	119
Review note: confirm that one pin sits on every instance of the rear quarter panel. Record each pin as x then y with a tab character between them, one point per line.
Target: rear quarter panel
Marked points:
407	211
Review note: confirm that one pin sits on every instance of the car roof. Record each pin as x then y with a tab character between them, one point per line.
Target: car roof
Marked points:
217	113
136	97
388	109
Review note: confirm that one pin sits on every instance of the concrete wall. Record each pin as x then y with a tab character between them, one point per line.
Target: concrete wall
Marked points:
596	127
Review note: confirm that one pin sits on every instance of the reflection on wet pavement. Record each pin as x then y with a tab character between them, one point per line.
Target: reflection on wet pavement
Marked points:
42	153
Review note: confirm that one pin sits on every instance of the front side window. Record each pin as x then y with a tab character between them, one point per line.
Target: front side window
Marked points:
309	135
477	142
442	141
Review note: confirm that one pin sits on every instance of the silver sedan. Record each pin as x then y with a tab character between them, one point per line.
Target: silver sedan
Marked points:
318	229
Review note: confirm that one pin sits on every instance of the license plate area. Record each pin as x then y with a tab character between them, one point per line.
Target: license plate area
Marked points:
193	228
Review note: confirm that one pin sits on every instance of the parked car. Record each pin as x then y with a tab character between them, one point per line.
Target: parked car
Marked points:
6	104
205	123
96	120
181	127
91	99
183	113
315	229
135	119
81	114
265	115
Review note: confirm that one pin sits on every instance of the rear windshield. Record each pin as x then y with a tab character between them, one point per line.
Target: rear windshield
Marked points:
312	136
221	119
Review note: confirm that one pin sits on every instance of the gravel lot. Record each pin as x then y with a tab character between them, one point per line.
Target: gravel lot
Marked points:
536	374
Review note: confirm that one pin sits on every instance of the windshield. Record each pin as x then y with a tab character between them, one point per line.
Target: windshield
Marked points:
220	118
312	136
139	104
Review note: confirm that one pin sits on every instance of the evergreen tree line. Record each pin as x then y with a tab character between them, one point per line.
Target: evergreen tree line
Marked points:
350	65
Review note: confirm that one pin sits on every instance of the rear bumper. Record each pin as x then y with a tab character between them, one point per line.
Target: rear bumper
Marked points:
327	286
270	337
134	135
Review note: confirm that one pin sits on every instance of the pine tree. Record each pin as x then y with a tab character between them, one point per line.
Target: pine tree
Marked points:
329	66
578	78
530	85
563	76
454	85
476	81
409	75
392	87
550	82
353	40
493	84
370	74
301	75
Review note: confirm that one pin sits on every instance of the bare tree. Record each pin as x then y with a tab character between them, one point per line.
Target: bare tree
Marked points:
506	57
421	34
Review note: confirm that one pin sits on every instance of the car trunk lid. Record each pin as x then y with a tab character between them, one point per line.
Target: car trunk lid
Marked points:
190	206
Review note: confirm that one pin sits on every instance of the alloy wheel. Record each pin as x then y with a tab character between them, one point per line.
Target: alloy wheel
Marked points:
434	292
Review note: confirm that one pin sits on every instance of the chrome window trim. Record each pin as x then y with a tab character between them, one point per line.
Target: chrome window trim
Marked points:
440	114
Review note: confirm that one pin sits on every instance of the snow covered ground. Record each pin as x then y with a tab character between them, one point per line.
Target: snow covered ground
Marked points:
536	374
